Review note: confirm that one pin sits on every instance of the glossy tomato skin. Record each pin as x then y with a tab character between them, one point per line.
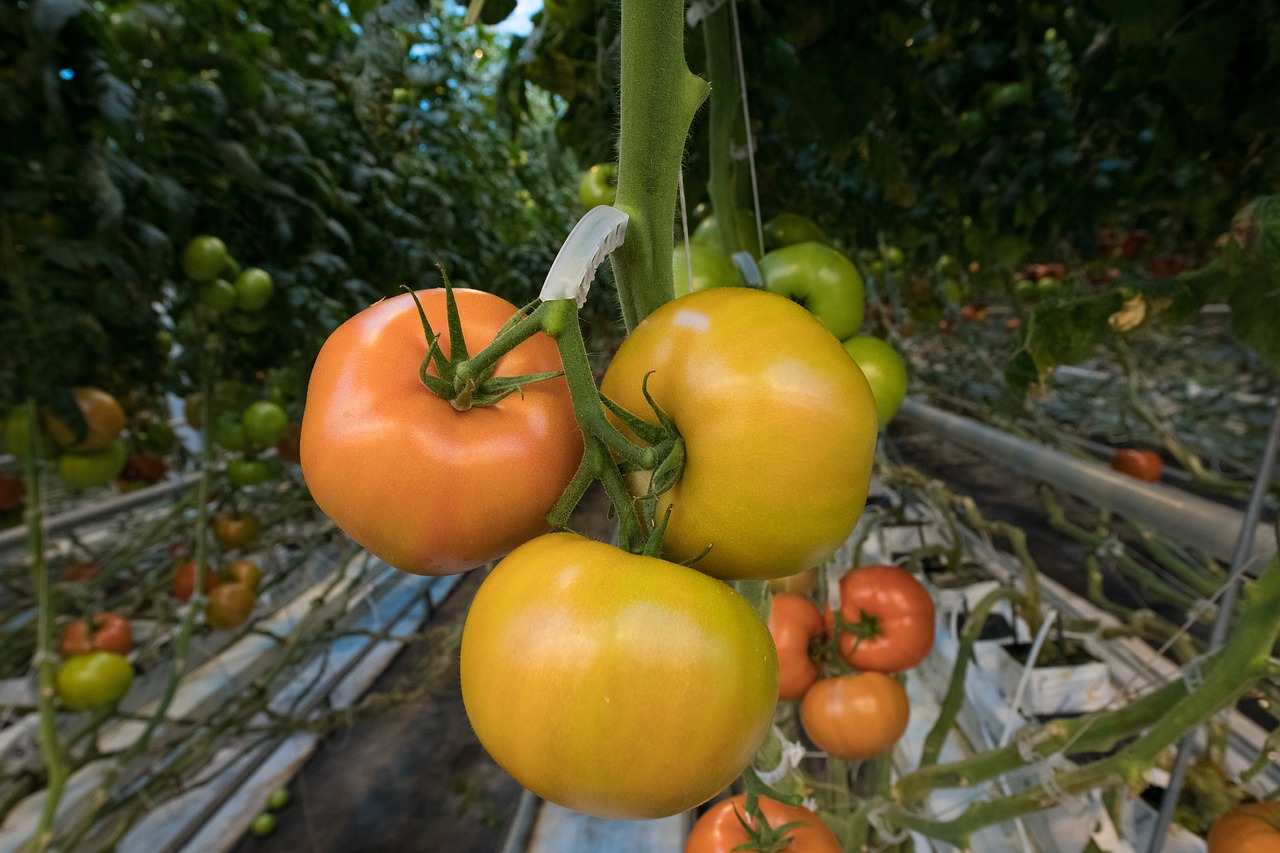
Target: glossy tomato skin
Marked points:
598	185
112	633
793	621
720	829
616	685
1250	828
823	280
711	268
429	489
901	609
1145	465
779	427
855	717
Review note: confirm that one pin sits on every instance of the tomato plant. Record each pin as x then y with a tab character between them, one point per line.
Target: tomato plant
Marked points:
236	530
429	488
218	295
819	278
1145	465
778	424
618	685
229	605
724	828
184	580
599	185
856	716
93	680
93	469
246	573
112	633
103	422
1250	828
885	370
793	621
889	619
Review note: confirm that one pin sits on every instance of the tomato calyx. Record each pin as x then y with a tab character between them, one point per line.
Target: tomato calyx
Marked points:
468	382
761	837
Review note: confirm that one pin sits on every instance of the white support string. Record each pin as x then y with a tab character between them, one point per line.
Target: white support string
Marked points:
746	122
684	226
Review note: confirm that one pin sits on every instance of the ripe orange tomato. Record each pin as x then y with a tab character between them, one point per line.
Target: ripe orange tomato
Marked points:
892	617
1250	828
779	426
103	418
1145	465
857	716
429	489
721	830
613	684
793	621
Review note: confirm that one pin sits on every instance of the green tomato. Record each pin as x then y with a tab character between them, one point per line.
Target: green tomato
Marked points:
708	234
218	295
711	268
245	324
253	289
893	256
205	258
786	229
822	280
93	680
90	470
599	185
17	435
278	799
885	370
247	472
264	423
263	824
228	432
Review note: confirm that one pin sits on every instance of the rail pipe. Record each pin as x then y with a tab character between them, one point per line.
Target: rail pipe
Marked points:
1181	516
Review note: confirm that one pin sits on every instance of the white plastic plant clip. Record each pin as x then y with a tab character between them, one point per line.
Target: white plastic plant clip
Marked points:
700	9
749	269
596	235
792	754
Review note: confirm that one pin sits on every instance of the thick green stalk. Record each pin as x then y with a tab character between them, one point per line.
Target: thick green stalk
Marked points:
724	129
660	97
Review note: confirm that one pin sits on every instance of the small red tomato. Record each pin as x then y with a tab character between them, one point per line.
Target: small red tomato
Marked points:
889	616
1145	465
184	580
113	634
1013	324
793	621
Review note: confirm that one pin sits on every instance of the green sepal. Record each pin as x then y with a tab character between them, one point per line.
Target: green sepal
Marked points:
645	431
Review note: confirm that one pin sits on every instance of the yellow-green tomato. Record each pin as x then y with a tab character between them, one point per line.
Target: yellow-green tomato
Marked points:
598	185
779	428
616	685
93	680
885	370
711	268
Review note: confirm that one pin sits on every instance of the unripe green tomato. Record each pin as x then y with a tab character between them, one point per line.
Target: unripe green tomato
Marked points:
894	256
786	229
264	422
711	268
598	185
204	258
247	472
253	289
278	799
218	295
90	470
228	432
708	234
245	324
263	824
885	370
93	680
822	280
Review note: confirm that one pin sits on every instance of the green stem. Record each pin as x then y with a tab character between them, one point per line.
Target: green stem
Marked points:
482	363
660	97
724	129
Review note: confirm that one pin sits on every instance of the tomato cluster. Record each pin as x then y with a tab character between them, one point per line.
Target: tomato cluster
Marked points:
884	624
229	597
95	670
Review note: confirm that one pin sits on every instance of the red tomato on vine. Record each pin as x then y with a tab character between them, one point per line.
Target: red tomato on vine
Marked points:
793	622
1145	465
721	829
889	618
